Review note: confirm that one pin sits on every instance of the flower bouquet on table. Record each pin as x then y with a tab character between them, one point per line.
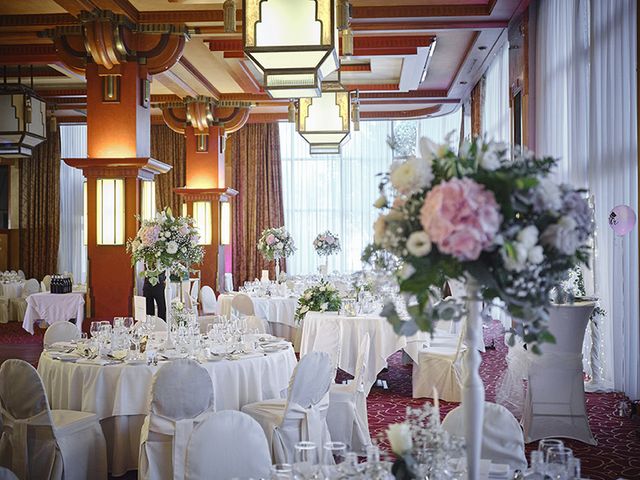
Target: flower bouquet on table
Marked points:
166	243
326	244
323	297
274	244
179	313
477	214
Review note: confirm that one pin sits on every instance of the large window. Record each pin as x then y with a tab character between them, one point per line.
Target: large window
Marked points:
336	192
495	115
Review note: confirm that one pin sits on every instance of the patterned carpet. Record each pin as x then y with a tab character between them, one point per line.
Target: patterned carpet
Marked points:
617	454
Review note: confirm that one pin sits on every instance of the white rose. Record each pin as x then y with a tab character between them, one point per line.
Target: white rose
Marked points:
419	244
490	160
399	435
563	236
324	307
528	236
549	195
380	202
411	175
536	255
172	248
322	289
516	260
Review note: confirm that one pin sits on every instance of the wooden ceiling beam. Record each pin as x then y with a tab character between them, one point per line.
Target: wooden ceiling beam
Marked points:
75	7
28	54
428	26
122	7
197	74
395	12
38	21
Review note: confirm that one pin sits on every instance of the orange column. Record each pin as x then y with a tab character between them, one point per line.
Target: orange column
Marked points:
205	178
118	130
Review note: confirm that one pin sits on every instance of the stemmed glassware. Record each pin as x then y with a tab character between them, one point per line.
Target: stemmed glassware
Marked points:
306	461
333	457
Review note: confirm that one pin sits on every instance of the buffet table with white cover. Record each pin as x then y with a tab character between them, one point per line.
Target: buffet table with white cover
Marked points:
384	342
54	307
119	393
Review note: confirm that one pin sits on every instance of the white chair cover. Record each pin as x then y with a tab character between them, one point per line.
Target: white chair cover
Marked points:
302	417
42	443
208	302
502	440
21	274
228	282
159	325
139	308
18	306
181	397
195	289
46	282
439	366
347	417
4	307
555	402
61	332
6	474
229	443
243	304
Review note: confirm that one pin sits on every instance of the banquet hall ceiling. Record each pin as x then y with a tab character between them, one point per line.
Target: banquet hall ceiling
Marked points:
391	44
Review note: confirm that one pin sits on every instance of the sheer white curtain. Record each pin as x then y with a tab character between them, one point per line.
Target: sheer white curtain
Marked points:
495	116
72	252
336	192
586	115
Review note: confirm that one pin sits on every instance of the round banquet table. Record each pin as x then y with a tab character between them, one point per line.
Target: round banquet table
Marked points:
119	394
384	342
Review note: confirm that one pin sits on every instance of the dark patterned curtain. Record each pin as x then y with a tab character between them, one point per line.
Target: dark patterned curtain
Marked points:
255	153
477	107
169	147
40	208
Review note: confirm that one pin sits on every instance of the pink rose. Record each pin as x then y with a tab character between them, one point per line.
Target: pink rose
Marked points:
461	217
271	239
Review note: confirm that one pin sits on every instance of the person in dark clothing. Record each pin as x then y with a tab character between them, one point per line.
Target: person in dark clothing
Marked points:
155	293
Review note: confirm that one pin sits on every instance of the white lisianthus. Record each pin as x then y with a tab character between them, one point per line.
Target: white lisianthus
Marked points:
411	175
562	236
463	151
172	248
536	255
419	244
428	148
406	271
514	255
548	195
380	202
399	435
528	236
490	160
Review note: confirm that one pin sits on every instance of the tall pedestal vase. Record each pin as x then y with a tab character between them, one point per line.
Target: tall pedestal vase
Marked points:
472	388
169	343
277	269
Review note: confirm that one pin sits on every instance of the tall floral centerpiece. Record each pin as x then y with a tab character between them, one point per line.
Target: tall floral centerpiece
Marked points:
166	244
274	244
325	245
500	224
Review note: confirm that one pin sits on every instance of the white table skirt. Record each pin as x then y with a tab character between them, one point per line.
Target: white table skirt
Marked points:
272	309
53	307
384	342
119	394
12	289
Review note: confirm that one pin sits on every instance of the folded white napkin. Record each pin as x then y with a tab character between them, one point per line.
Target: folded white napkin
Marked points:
61	345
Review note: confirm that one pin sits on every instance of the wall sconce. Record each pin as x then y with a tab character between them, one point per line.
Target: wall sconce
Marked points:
202	143
148	200
225	223
111	88
110	211
202	220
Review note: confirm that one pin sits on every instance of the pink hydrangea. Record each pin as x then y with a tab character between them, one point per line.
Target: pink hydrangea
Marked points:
271	239
149	235
461	217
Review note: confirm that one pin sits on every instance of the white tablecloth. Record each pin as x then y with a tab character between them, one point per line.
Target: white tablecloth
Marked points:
119	394
53	307
12	289
272	309
384	342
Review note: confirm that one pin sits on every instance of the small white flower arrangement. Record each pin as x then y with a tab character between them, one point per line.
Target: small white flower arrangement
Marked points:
276	243
326	244
179	313
323	297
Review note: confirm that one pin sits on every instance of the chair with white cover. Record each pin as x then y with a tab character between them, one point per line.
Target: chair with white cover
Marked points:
21	275
229	443
439	366
6	474
181	397
330	342
347	417
208	302
4	307
61	332
243	304
159	325
555	403
139	308
502	439
228	282
195	289
46	283
38	442
18	306
303	415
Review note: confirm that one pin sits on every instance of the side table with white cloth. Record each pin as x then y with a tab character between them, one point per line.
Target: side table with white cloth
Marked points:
384	341
54	307
555	403
119	392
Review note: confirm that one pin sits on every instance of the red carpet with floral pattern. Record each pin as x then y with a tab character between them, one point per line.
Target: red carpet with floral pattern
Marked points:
617	454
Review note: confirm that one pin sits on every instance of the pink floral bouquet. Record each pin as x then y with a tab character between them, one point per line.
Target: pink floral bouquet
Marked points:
326	244
276	243
478	213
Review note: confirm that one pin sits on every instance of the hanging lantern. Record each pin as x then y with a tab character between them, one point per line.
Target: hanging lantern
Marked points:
291	114
324	121
292	44
22	120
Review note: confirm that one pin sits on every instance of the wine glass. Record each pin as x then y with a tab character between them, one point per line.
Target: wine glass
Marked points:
558	462
94	330
333	456
127	322
306	460
281	471
546	443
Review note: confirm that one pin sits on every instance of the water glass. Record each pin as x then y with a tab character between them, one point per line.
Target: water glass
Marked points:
333	457
306	460
557	466
281	471
573	469
547	443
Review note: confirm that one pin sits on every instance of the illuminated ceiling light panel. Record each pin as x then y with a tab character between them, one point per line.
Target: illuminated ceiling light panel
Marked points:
292	44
